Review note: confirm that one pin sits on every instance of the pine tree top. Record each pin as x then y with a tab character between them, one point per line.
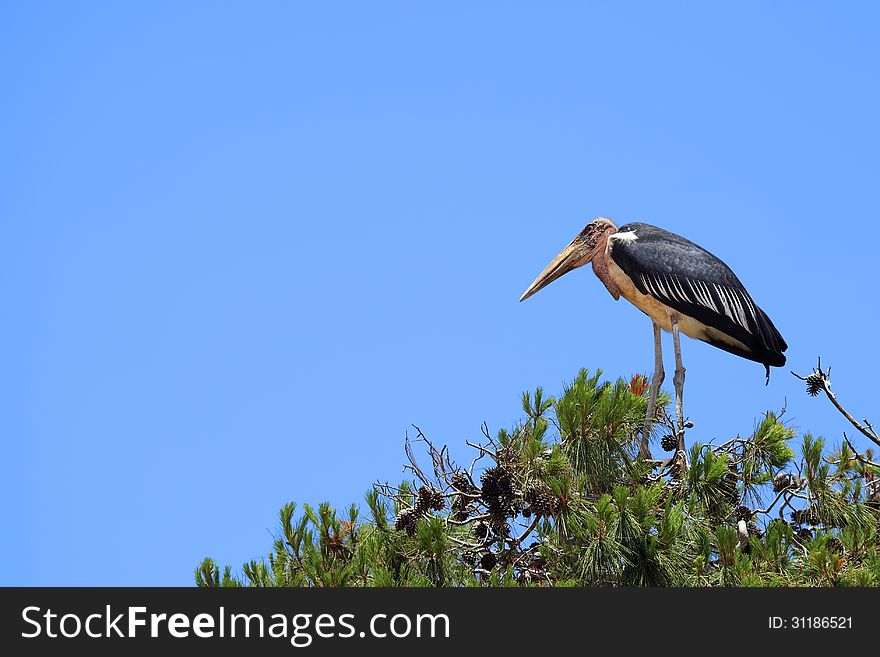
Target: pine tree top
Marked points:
564	498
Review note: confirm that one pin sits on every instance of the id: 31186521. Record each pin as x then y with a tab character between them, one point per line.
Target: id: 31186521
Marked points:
810	623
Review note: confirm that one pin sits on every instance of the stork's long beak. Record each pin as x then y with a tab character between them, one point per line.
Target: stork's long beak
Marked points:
571	257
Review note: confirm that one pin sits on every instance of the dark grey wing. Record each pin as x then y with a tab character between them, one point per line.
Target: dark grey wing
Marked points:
689	279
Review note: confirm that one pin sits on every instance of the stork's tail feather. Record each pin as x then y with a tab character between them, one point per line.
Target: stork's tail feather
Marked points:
772	342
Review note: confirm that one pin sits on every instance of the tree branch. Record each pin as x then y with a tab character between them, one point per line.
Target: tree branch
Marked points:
819	380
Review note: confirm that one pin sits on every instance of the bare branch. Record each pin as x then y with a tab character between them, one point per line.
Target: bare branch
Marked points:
483	450
858	456
772	504
413	466
528	530
820	380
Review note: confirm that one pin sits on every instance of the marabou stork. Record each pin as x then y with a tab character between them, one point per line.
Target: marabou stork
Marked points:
683	289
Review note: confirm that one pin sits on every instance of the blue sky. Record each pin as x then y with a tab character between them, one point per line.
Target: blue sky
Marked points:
245	245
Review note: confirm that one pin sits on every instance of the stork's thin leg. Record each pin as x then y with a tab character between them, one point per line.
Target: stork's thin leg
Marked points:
656	382
678	380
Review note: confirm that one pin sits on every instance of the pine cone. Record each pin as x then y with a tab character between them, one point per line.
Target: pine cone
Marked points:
669	443
496	482
498	523
815	383
782	481
406	521
481	531
540	499
743	513
805	534
469	557
497	491
462	483
436	501
488	561
506	455
423	499
460	509
427	499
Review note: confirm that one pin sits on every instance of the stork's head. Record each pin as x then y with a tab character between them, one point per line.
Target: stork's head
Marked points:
583	248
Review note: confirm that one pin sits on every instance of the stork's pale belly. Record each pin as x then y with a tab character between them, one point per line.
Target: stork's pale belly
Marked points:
662	314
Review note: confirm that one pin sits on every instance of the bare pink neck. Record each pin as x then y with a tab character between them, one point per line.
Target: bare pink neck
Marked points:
600	265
